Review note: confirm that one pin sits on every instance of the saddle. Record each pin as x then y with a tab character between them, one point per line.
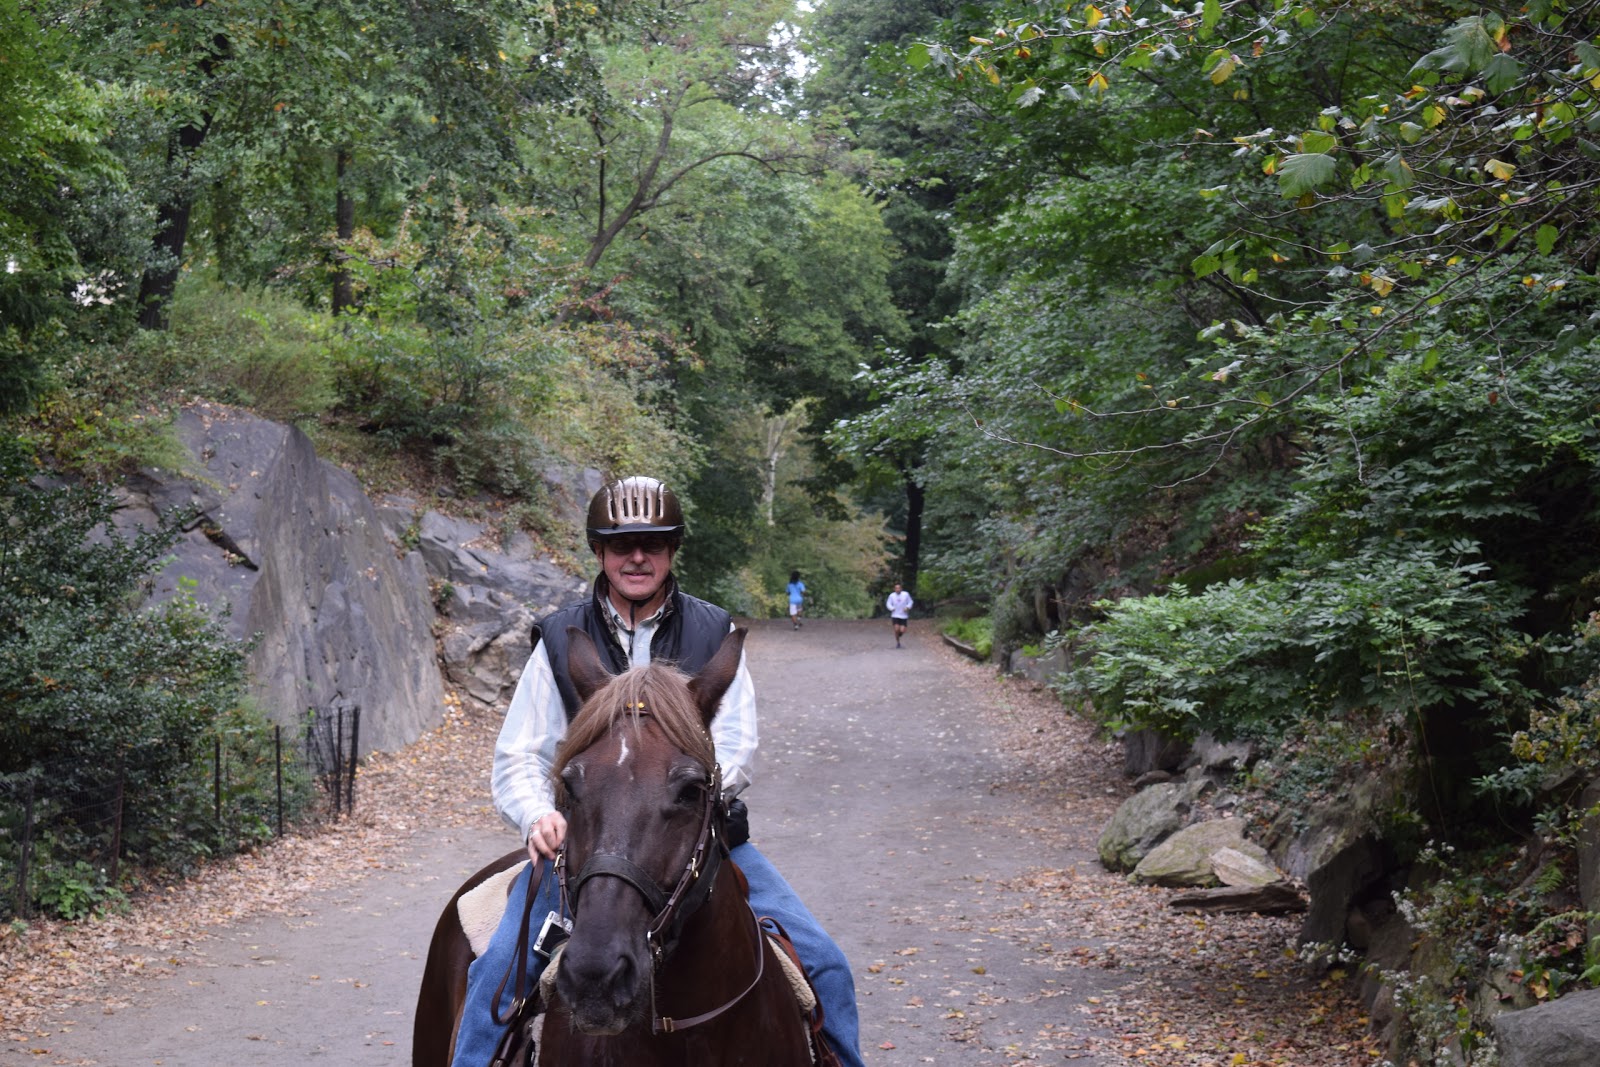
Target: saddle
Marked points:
480	911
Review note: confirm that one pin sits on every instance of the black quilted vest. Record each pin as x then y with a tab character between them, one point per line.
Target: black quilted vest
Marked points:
689	634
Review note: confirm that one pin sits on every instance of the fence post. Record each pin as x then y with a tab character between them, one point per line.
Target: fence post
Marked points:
27	847
277	768
116	820
355	736
216	785
338	761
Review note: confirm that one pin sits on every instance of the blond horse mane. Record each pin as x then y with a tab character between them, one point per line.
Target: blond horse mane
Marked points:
657	693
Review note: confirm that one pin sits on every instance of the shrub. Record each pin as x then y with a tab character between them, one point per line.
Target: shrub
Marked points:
90	683
258	350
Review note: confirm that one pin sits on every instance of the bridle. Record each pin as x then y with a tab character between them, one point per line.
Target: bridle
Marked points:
670	909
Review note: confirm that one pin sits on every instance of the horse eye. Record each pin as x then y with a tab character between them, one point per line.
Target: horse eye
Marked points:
691	793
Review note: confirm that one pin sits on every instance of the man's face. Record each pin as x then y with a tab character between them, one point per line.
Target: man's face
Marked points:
896	587
636	565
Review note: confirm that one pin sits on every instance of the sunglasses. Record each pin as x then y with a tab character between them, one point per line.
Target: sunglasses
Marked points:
650	545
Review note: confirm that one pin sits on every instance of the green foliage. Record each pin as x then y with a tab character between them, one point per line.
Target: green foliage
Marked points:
977	632
53	165
256	350
72	892
837	549
447	356
85	673
1409	630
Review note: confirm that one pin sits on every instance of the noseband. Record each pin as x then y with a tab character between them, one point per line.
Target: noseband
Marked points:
670	909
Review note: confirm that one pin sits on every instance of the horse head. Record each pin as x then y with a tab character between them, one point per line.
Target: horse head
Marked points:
638	779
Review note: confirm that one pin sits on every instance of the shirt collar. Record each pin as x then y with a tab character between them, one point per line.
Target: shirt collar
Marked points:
617	621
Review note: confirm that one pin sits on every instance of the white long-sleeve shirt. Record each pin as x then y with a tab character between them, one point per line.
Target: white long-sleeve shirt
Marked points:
536	722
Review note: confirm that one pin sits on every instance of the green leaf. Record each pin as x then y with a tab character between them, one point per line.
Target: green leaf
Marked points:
1210	15
1502	73
917	56
1547	238
1206	264
1588	57
1398	172
1468	48
1304	172
1317	141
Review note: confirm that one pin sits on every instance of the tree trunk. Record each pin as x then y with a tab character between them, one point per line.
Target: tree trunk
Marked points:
913	544
160	281
344	296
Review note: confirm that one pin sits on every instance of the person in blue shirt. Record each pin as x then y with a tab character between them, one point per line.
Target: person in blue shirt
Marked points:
797	598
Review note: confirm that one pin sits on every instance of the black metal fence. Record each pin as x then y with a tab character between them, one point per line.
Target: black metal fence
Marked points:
62	824
333	738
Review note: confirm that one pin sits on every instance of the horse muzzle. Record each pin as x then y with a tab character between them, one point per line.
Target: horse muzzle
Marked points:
604	982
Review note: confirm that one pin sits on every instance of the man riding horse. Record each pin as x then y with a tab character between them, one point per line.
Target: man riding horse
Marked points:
635	614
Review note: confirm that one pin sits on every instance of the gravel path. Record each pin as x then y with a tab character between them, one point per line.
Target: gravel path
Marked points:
939	820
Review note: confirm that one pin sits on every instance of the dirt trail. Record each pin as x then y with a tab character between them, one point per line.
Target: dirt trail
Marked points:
886	796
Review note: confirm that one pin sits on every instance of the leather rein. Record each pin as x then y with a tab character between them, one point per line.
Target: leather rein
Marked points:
671	908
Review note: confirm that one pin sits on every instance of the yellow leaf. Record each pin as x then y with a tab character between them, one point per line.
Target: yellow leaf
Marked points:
1098	83
1224	69
980	40
1500	169
1092	17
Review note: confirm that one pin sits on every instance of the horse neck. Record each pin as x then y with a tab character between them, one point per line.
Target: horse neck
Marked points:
715	958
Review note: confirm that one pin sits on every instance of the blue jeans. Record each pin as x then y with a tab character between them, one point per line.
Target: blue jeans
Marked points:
824	963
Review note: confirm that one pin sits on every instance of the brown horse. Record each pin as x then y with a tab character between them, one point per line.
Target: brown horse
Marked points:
666	964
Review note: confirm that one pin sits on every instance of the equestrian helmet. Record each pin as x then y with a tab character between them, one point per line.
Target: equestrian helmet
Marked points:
636	505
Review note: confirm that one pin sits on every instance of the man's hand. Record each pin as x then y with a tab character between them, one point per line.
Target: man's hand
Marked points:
546	836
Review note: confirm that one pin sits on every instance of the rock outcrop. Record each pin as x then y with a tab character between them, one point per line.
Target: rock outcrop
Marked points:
349	603
291	546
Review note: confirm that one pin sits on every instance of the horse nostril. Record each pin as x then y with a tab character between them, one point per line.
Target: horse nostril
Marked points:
621	982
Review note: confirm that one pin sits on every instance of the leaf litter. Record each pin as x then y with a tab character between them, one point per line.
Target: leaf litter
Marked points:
1195	989
50	969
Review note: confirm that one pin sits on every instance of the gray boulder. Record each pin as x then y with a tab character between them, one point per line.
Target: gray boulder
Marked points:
1244	868
1146	819
294	549
1042	669
1218	759
1562	1033
1186	858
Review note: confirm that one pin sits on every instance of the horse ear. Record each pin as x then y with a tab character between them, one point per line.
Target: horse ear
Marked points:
714	678
588	674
